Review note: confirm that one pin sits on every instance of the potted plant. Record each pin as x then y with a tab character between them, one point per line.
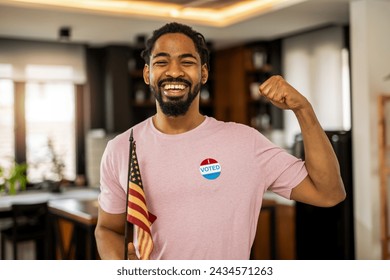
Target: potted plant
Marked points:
2	180
17	179
57	168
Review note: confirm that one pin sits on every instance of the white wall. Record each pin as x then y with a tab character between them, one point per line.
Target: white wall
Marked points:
370	63
312	63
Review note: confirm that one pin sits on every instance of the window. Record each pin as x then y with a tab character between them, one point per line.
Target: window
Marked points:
7	143
50	131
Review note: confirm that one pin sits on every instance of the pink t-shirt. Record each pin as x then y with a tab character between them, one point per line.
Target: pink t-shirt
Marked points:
205	186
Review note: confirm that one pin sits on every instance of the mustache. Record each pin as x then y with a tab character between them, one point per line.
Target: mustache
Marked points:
174	80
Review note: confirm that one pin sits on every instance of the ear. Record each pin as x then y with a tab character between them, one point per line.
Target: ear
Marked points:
146	74
204	73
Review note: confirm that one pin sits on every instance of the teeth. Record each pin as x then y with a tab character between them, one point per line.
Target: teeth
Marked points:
172	86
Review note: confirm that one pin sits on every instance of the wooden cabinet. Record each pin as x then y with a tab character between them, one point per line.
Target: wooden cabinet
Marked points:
275	235
238	73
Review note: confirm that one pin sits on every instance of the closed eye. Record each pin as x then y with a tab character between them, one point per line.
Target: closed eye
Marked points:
160	63
188	62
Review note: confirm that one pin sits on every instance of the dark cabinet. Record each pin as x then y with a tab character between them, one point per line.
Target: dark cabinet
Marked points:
328	233
107	95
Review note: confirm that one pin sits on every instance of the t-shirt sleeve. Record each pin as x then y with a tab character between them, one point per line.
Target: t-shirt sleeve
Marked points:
281	170
292	172
112	197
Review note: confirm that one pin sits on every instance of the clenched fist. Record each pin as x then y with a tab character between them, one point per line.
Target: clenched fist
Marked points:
282	94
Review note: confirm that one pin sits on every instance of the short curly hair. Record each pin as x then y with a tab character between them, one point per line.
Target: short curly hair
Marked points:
174	27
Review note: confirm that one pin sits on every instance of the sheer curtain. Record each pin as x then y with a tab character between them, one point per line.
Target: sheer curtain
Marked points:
316	64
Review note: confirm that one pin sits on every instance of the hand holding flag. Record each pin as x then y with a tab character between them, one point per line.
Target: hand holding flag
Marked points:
137	211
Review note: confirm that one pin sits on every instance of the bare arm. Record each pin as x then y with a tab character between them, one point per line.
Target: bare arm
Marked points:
109	235
323	186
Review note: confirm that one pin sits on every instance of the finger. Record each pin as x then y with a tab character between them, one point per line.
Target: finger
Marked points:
273	92
131	254
279	95
266	89
267	86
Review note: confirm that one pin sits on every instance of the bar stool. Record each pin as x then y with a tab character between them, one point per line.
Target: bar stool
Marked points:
30	223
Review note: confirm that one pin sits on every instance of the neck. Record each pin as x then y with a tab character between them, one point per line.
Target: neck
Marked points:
180	124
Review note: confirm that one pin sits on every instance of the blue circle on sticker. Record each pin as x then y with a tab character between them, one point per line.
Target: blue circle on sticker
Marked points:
210	169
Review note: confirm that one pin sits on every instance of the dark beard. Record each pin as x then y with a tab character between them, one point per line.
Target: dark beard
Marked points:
175	106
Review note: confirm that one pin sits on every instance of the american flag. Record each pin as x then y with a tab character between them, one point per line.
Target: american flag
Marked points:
137	211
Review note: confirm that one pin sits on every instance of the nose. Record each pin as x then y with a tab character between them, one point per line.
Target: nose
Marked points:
174	70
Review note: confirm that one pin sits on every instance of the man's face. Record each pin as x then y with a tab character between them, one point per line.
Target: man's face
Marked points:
175	73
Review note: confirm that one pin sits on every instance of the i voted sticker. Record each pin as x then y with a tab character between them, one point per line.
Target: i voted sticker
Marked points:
210	169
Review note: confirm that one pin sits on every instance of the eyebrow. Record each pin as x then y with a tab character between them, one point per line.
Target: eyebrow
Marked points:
164	54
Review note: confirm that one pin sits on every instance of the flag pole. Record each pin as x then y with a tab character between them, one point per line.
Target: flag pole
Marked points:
127	223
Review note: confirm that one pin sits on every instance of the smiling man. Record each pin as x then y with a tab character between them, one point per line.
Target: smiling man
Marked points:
204	179
173	90
176	69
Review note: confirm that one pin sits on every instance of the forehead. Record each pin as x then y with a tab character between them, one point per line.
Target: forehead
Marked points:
174	43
